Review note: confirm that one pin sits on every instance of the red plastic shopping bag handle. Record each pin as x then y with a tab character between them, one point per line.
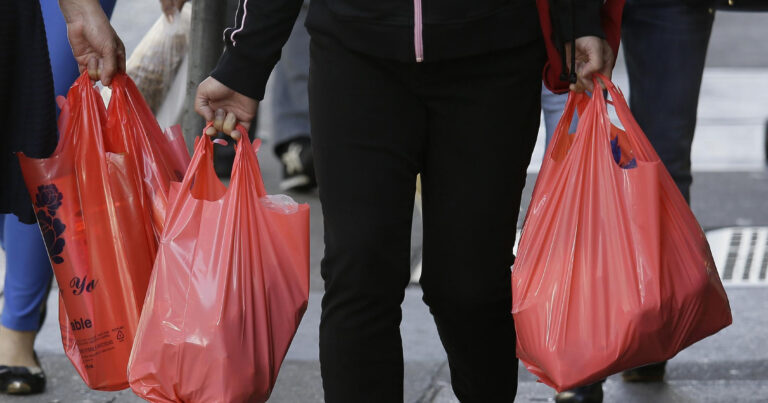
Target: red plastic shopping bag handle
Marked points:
256	143
640	143
201	180
245	154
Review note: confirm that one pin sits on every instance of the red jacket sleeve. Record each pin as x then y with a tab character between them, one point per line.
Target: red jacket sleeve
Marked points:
580	21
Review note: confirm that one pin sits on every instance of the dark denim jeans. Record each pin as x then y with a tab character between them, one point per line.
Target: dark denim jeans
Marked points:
665	45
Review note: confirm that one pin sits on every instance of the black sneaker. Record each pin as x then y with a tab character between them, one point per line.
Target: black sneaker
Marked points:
645	374
592	393
298	166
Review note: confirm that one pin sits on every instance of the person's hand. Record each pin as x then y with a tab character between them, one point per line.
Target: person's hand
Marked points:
170	7
216	102
94	43
593	55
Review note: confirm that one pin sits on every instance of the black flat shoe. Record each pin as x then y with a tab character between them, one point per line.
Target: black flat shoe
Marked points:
592	393
22	380
645	374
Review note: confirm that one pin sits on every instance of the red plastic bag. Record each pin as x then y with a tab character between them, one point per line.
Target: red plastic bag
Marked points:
613	271
228	290
176	152
98	236
157	157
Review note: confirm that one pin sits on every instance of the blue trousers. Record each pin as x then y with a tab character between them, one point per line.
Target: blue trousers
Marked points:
28	269
27	273
552	106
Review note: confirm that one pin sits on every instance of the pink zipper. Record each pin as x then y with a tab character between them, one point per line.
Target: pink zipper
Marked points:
417	25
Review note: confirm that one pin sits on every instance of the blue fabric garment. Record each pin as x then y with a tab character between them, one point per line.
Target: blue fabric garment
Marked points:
552	105
27	274
28	268
616	150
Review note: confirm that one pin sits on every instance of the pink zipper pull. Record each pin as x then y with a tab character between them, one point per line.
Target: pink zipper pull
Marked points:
417	27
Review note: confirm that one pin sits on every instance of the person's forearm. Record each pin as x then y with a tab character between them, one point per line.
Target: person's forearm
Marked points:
94	43
253	45
78	9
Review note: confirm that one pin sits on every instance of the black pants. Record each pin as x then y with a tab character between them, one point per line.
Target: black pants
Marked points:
469	127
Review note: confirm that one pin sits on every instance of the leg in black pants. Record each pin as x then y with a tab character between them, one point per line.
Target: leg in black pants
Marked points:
469	126
482	127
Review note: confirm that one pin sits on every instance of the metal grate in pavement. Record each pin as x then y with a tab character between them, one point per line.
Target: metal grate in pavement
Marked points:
741	255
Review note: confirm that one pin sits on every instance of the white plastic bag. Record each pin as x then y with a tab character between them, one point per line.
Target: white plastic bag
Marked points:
280	203
155	61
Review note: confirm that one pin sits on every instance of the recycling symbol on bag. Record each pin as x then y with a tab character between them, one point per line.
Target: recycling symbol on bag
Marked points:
120	335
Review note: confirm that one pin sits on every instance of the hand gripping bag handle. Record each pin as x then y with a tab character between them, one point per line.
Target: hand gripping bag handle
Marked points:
276	265
201	170
131	123
630	141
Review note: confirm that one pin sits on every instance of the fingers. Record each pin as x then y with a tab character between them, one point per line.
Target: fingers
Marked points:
595	56
224	122
112	59
237	134
93	68
224	108
583	82
218	120
202	106
108	66
229	123
593	65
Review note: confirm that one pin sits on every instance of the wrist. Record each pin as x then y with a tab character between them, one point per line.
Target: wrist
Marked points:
79	10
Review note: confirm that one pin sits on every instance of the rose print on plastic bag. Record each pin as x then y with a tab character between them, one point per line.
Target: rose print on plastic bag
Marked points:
48	200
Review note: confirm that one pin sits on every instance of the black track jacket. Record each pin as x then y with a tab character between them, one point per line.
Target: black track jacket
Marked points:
403	30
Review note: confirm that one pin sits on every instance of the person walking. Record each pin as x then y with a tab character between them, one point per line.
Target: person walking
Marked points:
28	110
665	47
450	90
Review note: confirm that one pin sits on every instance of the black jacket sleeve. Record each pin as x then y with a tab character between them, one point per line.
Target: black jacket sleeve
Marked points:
577	18
253	45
